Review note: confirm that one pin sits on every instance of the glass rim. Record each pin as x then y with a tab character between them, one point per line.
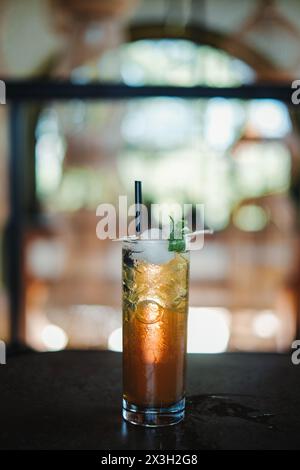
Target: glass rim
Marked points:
147	240
139	244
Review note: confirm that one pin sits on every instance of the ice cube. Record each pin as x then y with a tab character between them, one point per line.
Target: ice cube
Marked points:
152	248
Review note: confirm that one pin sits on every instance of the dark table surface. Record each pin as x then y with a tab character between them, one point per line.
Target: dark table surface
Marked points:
72	400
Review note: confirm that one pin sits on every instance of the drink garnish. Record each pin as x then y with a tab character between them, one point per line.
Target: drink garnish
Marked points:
178	231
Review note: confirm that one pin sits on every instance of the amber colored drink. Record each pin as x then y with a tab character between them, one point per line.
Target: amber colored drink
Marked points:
155	306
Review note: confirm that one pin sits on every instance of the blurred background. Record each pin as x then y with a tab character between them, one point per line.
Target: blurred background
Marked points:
60	158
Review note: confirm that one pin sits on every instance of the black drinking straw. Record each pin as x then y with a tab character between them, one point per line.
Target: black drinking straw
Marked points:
138	203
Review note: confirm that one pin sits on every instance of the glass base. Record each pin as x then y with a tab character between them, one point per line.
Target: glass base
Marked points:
154	417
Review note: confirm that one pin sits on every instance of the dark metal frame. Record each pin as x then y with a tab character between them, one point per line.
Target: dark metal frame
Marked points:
14	231
19	93
24	91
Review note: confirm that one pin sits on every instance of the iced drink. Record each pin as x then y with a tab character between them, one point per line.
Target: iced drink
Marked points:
155	307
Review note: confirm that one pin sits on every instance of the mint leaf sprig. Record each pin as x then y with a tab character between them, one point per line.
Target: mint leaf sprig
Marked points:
177	232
